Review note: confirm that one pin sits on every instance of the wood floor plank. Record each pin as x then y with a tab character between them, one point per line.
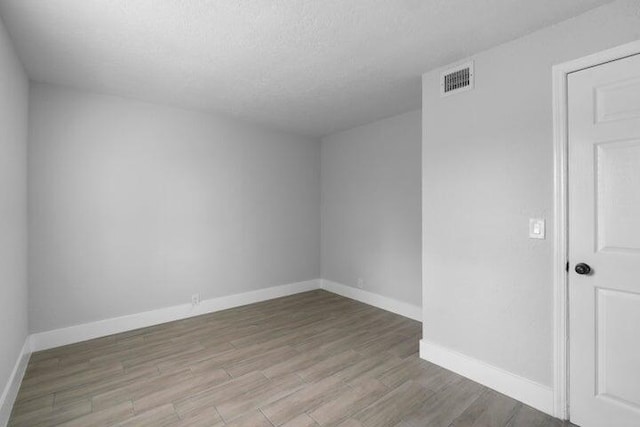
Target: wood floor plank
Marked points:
36	404
261	361
303	420
393	407
330	366
443	407
155	355
312	359
138	389
351	423
526	416
71	380
298	363
180	361
91	389
349	402
371	367
50	416
252	419
203	417
157	417
307	399
426	374
186	387
106	417
490	409
260	396
217	395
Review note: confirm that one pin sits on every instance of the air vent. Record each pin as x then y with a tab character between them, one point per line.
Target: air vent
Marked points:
457	79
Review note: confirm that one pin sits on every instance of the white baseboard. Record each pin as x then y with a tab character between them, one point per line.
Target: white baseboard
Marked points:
73	334
529	392
78	333
399	307
10	392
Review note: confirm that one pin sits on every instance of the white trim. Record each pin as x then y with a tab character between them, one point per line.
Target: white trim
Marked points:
78	333
8	397
561	249
515	386
73	334
389	304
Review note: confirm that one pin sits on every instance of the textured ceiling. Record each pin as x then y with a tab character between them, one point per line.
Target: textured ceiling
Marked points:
308	66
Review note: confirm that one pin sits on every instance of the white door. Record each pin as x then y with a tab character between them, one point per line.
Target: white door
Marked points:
604	233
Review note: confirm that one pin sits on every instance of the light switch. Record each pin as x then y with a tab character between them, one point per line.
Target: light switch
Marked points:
536	228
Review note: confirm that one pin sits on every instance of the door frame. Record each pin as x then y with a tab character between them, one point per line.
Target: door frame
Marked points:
561	226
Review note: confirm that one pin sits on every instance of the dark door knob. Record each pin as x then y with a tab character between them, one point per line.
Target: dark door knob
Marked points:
583	268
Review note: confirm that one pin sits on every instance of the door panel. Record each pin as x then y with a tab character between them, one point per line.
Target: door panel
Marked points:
618	101
604	232
617	220
617	370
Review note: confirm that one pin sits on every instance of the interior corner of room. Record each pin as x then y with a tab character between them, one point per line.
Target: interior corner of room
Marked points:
119	213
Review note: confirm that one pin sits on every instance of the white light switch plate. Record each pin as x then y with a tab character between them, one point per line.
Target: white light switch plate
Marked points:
536	228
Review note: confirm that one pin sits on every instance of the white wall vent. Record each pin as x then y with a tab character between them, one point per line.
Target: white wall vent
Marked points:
457	79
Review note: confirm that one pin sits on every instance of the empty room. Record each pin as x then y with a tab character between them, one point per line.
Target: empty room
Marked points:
298	213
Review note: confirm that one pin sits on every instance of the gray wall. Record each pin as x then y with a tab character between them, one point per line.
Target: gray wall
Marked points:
14	90
487	168
371	207
135	206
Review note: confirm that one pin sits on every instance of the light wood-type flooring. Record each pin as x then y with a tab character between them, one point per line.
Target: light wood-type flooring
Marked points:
312	359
